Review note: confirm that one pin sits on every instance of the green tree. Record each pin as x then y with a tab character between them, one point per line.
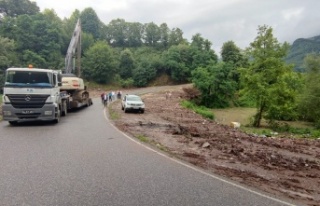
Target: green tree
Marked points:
90	22
284	104
127	64
30	57
15	8
164	35
99	63
8	27
232	55
175	37
144	73
216	85
152	34
7	56
40	34
6	52
202	53
309	104
135	34
87	41
178	62
265	73
117	32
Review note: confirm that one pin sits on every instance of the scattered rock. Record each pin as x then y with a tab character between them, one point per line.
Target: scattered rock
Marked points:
235	125
206	145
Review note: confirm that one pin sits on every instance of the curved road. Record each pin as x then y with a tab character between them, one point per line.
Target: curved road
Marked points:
84	160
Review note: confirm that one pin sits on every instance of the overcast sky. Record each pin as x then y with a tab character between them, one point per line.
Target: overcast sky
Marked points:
216	20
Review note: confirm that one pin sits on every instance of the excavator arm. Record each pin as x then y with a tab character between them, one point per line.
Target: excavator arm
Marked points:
72	60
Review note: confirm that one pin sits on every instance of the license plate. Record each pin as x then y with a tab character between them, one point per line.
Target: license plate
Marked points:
27	112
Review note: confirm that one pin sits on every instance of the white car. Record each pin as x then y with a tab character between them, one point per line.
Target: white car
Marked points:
132	102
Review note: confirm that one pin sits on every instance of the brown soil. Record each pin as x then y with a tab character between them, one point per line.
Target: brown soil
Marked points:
285	167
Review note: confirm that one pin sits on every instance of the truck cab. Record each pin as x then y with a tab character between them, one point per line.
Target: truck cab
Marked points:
31	94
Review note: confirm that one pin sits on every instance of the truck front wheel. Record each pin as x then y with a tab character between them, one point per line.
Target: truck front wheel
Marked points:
57	119
65	109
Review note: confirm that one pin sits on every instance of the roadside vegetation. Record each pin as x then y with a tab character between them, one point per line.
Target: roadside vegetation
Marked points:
143	138
124	54
203	111
113	115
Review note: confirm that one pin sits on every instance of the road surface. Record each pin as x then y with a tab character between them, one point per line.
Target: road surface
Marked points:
84	160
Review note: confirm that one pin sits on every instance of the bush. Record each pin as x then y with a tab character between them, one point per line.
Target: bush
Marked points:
191	92
127	83
203	111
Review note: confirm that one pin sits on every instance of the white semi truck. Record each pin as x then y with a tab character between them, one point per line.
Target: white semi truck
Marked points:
31	94
41	94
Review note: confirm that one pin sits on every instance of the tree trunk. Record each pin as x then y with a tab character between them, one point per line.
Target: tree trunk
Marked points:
258	116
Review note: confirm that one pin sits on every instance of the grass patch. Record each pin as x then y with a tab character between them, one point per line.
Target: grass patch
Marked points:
203	111
142	138
161	147
242	115
113	114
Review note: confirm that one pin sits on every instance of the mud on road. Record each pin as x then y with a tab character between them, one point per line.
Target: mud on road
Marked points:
285	167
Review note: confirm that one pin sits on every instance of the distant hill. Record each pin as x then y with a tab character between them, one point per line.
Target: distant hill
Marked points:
300	48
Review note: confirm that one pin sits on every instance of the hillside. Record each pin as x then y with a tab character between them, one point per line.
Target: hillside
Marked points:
300	48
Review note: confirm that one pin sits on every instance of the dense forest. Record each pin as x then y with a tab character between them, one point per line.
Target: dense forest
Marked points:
134	54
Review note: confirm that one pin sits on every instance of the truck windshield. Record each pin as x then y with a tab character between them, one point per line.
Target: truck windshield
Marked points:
28	79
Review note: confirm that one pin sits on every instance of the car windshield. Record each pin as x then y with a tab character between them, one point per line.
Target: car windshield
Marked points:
134	98
28	79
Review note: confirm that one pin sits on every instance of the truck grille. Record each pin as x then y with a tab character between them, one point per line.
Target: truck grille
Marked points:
27	101
28	116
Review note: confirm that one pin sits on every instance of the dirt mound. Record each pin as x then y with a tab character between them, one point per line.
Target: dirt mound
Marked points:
285	167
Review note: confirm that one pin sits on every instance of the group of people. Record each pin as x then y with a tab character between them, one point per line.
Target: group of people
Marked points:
111	96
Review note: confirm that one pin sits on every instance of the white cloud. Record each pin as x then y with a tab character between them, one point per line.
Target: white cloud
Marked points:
291	14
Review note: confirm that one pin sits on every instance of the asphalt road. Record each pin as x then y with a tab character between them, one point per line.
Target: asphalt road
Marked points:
84	160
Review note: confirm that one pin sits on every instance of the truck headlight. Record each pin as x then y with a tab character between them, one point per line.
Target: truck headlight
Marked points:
5	99
7	113
49	99
48	112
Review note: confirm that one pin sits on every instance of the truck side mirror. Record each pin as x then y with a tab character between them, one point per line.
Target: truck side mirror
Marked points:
59	84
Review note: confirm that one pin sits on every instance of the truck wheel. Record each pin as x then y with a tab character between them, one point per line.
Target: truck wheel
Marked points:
57	119
65	109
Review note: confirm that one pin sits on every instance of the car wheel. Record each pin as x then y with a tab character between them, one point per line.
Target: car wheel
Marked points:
142	111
